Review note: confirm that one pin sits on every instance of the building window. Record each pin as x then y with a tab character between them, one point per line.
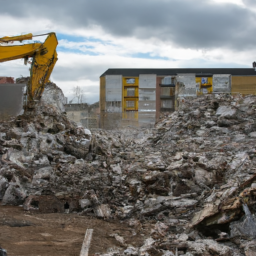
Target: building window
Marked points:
204	80
167	91
131	92
113	106
166	104
168	80
130	80
130	104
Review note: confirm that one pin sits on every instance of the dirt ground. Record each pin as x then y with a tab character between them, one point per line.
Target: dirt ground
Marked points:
36	234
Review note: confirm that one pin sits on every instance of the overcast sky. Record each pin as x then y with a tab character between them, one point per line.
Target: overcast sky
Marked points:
95	35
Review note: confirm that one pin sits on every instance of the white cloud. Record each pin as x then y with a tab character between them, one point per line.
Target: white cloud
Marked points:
237	2
18	26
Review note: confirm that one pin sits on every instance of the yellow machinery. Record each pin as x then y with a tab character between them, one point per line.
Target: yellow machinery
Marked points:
44	57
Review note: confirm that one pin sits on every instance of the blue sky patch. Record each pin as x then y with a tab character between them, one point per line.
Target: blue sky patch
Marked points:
76	50
204	63
78	39
148	55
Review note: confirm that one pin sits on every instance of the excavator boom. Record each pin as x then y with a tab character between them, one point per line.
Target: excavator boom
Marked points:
7	39
44	57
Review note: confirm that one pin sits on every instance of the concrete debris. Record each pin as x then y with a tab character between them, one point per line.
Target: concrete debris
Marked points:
192	176
250	248
245	227
119	239
3	252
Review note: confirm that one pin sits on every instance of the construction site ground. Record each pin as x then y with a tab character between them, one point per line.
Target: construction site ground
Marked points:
56	234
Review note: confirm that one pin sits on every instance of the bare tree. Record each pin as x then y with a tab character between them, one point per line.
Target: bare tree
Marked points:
78	93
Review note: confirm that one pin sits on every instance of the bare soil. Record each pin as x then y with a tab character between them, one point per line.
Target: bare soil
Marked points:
56	234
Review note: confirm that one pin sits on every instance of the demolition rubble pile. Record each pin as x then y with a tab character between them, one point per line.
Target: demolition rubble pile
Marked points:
192	177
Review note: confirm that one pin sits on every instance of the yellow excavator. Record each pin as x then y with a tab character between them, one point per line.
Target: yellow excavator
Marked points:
44	57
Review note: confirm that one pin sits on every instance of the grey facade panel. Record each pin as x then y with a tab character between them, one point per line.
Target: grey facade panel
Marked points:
113	88
147	106
187	85
147	117
147	100
147	94
221	83
187	92
147	81
11	100
113	106
189	80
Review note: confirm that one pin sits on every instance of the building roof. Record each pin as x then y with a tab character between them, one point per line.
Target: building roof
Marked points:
174	71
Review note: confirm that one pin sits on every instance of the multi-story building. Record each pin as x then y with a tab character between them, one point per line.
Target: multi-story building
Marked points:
136	97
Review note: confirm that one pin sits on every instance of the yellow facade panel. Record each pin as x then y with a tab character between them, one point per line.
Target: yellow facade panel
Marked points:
131	104
130	91
130	115
102	93
243	84
205	86
130	81
130	100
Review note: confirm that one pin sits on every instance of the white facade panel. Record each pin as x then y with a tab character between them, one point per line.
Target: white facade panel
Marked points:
147	106
147	100
187	92
189	80
131	115
221	83
147	117
187	85
113	106
147	94
147	81
113	88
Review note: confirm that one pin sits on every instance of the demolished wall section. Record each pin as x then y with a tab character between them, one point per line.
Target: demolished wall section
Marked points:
11	100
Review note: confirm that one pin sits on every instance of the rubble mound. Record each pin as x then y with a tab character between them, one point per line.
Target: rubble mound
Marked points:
191	178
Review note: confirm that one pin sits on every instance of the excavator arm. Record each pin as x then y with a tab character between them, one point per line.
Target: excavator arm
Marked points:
44	57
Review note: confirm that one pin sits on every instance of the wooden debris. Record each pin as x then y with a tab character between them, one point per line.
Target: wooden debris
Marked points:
86	243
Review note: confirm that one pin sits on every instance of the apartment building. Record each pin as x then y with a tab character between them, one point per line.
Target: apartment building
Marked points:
136	97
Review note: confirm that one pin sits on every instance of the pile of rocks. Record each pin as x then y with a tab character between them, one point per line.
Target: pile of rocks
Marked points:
192	176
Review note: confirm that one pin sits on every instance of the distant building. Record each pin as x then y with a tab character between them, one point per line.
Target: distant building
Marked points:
84	114
136	97
6	80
